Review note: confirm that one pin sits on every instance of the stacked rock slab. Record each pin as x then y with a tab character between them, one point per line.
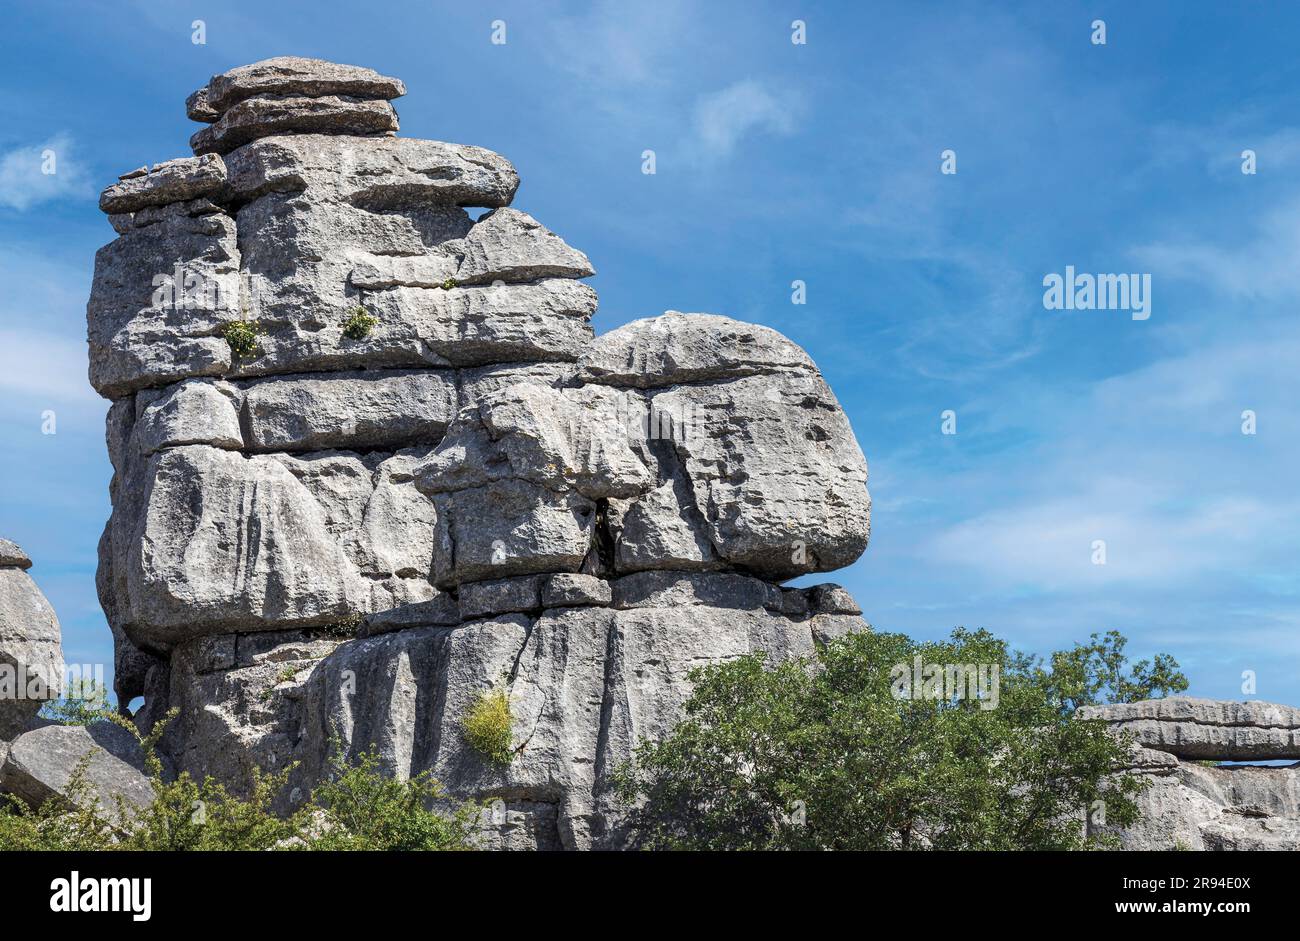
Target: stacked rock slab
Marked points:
1192	801
429	478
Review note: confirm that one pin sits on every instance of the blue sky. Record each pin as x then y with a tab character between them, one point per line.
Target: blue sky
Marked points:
816	162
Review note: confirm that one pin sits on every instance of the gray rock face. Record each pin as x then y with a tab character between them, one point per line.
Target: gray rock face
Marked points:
174	181
161	294
31	661
13	556
265	117
1208	729
41	763
510	245
1191	804
292	75
370	461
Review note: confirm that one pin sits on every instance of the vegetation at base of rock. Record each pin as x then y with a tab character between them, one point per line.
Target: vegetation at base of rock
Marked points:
822	753
359	324
364	809
488	726
242	337
85	701
359	808
448	284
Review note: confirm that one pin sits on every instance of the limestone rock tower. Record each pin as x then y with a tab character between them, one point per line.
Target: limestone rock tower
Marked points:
372	462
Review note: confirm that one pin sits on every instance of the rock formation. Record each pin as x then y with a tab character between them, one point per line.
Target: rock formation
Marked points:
1193	802
371	462
31	660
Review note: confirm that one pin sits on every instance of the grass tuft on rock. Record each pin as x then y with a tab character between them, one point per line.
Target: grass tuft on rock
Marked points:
487	726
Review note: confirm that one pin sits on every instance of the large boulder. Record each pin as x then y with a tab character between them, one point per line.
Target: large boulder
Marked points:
42	763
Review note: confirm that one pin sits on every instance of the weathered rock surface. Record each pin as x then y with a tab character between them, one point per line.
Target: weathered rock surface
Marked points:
173	181
11	555
1192	803
162	292
1207	728
509	245
31	661
266	117
41	764
422	475
294	75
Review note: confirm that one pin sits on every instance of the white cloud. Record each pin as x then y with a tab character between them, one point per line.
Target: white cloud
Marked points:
1257	266
723	118
41	366
1153	462
43	355
615	46
40	173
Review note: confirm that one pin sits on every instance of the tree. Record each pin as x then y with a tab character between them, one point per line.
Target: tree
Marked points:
846	750
85	701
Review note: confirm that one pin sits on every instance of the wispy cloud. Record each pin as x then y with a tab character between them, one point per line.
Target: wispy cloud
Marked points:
1255	265
723	118
42	172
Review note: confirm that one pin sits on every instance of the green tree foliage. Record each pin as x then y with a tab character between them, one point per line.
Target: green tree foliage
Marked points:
85	701
1097	672
822	754
72	822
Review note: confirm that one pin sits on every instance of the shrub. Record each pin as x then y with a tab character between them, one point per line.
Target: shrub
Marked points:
242	337
361	808
359	324
448	284
487	726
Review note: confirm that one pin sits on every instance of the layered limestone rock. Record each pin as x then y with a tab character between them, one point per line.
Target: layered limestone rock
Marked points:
31	660
1191	801
371	462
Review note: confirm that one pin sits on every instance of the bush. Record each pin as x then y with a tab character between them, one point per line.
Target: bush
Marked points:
448	284
362	809
824	753
242	337
488	727
359	324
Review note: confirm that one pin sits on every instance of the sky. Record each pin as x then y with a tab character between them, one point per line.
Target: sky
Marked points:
820	162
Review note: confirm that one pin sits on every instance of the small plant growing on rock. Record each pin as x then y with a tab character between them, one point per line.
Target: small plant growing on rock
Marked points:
448	284
242	337
339	630
359	324
487	726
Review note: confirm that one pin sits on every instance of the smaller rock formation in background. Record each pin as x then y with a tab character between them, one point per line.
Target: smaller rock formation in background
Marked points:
1194	804
31	660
